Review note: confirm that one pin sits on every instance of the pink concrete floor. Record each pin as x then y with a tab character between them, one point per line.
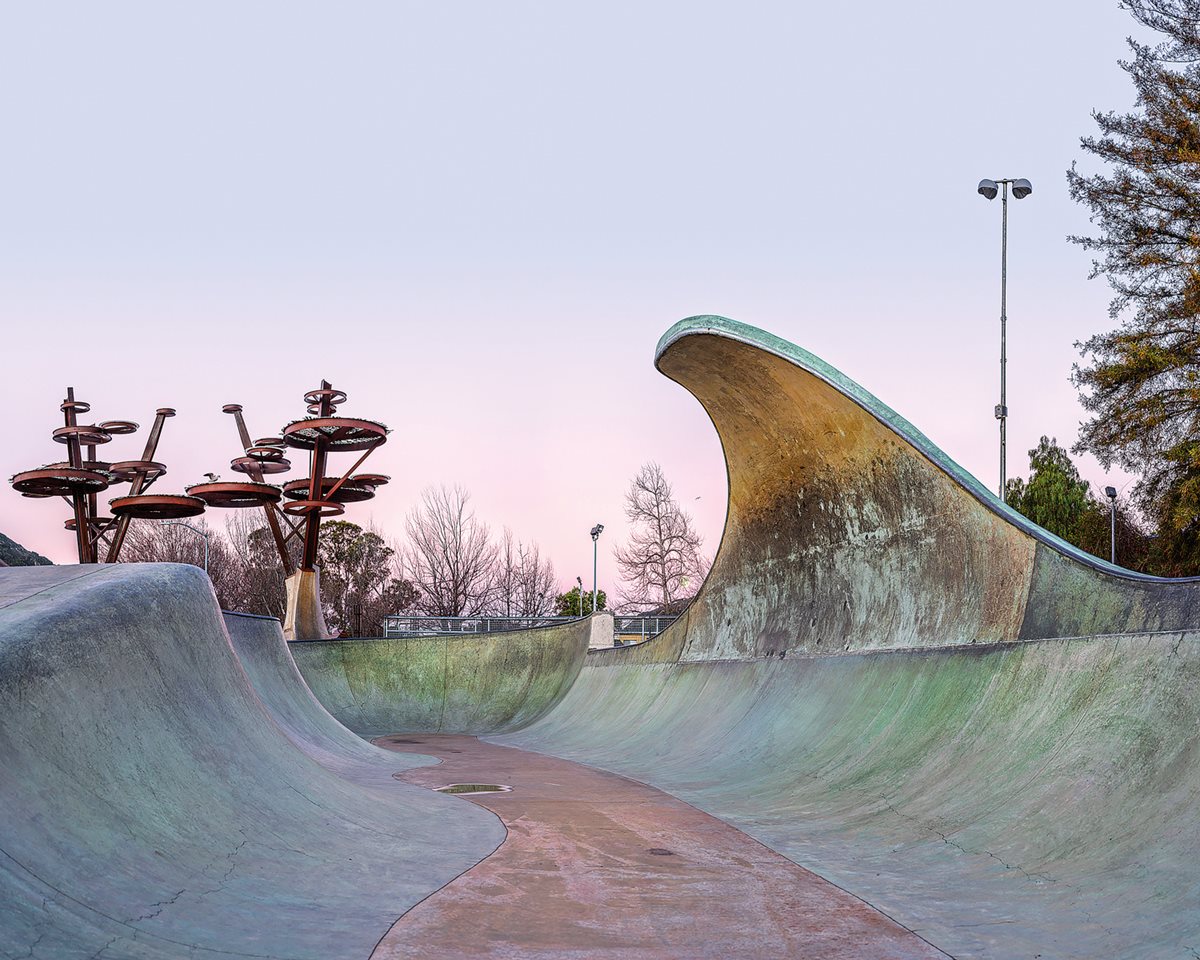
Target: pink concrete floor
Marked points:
596	865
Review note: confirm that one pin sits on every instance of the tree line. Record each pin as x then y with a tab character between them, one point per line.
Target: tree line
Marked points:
1140	381
449	564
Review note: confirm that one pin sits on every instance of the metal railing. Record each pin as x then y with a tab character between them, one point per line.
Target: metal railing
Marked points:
625	629
640	629
401	626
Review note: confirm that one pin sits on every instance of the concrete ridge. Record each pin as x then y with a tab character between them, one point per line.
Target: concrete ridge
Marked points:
715	325
156	804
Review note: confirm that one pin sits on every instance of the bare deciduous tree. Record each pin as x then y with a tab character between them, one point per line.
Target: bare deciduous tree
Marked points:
149	541
450	556
661	563
523	583
250	540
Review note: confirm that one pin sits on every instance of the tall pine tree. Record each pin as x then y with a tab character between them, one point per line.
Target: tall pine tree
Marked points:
1140	383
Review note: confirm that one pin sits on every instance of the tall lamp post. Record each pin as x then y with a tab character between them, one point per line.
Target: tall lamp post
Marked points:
579	580
1111	493
1020	189
195	530
596	531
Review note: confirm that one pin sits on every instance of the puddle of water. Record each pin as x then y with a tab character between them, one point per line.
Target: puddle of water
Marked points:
470	788
662	852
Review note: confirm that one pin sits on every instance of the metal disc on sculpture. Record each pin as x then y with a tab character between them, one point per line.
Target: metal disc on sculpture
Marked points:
59	481
235	494
252	464
314	397
75	406
90	436
320	507
371	479
157	506
353	490
265	453
118	428
276	442
95	466
129	469
336	433
70	524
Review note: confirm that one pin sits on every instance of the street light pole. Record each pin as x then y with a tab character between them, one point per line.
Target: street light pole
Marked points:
579	580
1111	493
1002	412
989	188
596	531
195	530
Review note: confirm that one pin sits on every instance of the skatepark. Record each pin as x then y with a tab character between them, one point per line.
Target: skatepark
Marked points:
898	720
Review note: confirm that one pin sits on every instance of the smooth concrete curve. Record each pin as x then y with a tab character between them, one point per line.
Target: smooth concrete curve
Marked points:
153	805
263	653
473	684
904	686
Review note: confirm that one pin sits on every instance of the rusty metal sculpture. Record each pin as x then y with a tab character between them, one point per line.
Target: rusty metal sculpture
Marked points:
79	480
307	500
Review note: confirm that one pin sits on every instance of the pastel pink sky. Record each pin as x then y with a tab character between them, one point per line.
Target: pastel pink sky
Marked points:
478	219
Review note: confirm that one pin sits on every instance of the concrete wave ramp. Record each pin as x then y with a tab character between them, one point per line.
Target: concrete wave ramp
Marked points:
154	805
904	686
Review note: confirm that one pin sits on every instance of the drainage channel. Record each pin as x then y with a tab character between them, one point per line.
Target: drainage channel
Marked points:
472	788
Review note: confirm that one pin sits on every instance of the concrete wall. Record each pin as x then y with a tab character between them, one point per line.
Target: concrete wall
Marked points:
902	685
153	807
463	684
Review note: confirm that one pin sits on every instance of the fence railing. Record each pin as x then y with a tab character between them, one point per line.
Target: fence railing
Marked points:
399	626
639	629
625	629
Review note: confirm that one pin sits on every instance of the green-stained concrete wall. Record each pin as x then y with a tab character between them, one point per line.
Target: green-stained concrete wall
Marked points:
463	684
901	684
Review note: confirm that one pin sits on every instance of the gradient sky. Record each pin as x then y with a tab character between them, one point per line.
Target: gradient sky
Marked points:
479	218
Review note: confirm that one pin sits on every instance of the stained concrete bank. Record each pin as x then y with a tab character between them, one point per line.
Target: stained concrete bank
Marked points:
154	806
462	684
904	686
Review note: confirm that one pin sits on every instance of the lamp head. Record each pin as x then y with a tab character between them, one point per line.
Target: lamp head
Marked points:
1110	492
597	530
1022	189
988	188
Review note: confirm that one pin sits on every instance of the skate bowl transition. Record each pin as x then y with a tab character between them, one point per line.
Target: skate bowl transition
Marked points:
467	684
889	678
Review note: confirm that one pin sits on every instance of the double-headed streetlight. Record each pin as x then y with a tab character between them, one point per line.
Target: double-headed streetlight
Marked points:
1020	189
596	531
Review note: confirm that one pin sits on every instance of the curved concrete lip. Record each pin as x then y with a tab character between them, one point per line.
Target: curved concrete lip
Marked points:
718	326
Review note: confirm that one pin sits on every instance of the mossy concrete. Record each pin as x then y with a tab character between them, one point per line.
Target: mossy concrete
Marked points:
462	684
901	684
